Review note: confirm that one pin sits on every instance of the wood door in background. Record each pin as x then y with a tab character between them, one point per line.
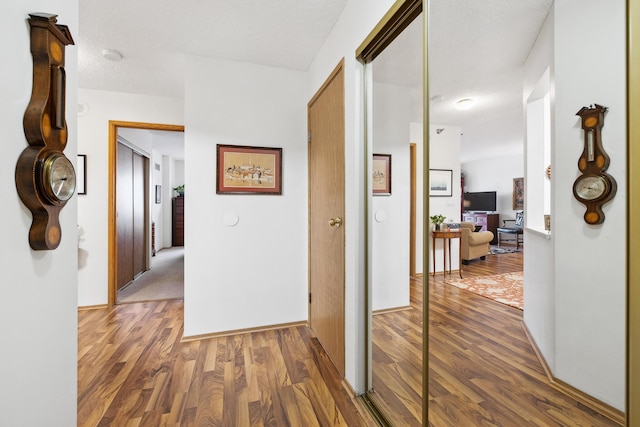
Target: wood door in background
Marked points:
130	215
326	202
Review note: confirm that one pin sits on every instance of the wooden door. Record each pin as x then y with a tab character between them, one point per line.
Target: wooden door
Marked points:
131	213
326	204
139	214
124	215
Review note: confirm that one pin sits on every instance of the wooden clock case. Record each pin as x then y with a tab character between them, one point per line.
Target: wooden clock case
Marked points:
45	128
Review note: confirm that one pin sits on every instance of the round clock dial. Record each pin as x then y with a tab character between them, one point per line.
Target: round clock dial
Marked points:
58	178
591	187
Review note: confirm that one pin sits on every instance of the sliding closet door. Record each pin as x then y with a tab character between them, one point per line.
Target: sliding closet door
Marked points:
130	215
139	215
124	215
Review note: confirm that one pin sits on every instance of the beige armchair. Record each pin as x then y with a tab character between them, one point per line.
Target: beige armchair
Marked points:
474	244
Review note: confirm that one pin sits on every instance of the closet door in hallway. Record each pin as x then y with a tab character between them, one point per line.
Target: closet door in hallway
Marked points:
131	215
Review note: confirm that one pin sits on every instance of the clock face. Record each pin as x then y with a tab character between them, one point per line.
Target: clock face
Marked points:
590	187
58	178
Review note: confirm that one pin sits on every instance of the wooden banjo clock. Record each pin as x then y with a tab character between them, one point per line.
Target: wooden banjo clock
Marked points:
594	187
45	178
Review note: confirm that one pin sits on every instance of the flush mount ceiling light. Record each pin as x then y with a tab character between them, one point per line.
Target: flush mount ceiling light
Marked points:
111	54
464	104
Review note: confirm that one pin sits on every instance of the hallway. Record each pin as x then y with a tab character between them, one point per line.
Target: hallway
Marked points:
164	281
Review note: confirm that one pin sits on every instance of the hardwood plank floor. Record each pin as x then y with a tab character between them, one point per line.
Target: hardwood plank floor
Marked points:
133	369
483	371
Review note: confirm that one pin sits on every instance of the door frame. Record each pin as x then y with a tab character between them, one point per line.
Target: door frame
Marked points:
114	125
633	212
401	13
413	153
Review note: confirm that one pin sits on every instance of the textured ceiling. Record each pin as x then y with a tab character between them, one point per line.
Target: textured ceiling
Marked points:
154	36
476	49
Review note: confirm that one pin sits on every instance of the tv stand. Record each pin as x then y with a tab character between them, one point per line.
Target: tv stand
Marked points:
488	221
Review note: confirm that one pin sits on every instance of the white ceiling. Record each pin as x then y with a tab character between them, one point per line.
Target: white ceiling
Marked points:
476	49
155	35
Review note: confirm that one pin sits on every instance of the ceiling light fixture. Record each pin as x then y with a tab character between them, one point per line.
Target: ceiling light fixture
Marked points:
112	55
464	104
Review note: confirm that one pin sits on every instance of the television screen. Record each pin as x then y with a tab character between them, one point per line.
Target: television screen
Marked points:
483	201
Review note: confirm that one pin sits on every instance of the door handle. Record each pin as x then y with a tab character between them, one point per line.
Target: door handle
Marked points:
335	222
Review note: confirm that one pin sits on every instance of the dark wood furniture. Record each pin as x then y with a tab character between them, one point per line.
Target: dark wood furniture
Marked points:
489	222
446	236
177	238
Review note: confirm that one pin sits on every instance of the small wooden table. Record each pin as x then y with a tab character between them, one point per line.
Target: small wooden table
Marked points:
446	236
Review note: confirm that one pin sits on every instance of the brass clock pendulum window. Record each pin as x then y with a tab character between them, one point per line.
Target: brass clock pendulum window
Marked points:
45	178
594	187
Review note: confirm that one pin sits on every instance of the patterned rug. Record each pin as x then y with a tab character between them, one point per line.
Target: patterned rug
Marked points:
495	250
505	288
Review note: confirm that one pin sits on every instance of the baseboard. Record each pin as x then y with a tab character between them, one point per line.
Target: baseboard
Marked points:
602	408
242	331
391	310
92	307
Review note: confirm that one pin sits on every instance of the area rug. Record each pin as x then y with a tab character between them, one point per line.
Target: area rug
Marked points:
496	250
505	288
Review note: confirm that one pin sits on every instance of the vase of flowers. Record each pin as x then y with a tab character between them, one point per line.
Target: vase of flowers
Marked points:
437	221
180	190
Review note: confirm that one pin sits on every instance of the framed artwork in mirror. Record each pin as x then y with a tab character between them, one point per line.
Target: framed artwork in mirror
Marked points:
381	182
518	193
440	182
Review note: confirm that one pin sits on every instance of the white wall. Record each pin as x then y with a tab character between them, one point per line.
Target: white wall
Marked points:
93	131
38	320
590	280
390	242
254	273
356	22
495	174
444	154
539	254
168	176
574	309
157	211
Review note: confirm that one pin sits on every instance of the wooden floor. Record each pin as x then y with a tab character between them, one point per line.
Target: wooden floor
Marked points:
483	371
133	369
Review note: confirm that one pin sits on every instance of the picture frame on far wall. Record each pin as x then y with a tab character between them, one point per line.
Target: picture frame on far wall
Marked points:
518	193
440	183
81	174
248	170
381	182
